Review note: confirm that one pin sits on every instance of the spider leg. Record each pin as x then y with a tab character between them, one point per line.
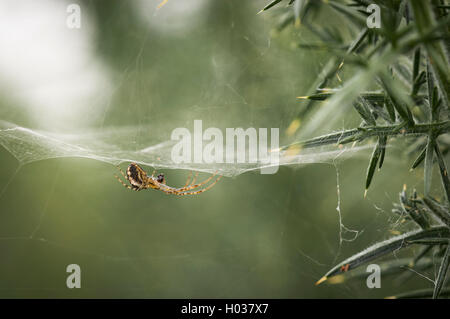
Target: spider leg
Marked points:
194	179
188	182
167	191
188	179
200	191
123	174
121	182
190	187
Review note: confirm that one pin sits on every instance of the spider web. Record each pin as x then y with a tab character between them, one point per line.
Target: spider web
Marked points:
112	146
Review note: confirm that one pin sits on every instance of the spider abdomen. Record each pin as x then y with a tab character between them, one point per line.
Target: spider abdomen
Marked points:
136	176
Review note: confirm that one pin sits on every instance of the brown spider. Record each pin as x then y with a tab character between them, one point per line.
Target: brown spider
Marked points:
139	180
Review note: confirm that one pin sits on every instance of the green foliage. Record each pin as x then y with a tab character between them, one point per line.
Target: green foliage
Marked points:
408	59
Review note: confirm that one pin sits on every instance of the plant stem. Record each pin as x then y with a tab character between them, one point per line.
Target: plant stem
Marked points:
359	134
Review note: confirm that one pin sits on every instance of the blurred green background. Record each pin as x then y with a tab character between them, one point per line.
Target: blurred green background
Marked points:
131	64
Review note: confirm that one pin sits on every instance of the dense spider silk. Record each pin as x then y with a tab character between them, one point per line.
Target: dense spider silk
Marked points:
118	145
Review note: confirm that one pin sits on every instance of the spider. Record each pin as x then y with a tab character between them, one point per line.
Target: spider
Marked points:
139	180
